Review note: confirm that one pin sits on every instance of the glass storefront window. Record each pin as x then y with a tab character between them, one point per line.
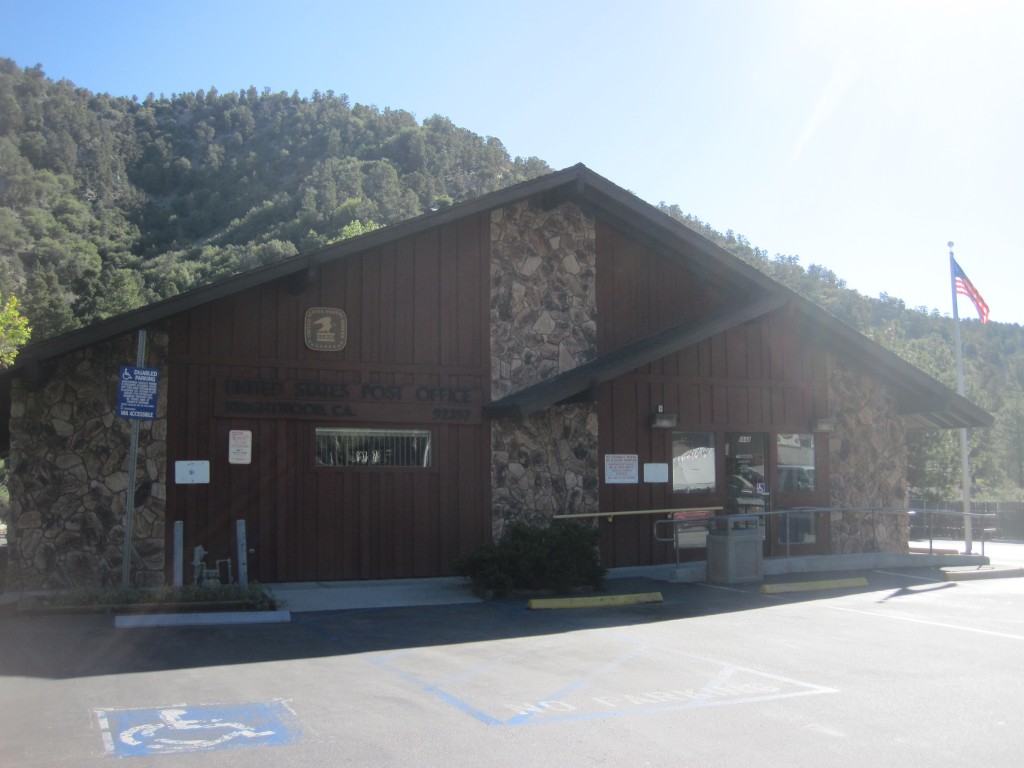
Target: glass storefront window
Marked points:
693	462
795	462
337	447
794	473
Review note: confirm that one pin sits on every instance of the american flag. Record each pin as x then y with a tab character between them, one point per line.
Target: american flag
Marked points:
966	288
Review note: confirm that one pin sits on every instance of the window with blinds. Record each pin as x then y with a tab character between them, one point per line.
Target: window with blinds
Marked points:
340	447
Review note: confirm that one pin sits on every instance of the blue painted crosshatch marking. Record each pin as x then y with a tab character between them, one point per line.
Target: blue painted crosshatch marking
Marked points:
494	691
204	728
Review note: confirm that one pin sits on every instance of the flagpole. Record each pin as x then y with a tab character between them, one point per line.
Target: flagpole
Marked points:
965	470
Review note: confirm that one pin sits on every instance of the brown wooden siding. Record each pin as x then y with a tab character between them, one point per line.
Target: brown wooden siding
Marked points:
417	317
765	376
641	292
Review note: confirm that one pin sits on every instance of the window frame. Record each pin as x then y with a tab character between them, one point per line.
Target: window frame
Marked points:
703	491
370	432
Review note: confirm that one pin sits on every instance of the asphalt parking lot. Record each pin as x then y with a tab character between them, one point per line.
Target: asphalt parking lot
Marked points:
907	669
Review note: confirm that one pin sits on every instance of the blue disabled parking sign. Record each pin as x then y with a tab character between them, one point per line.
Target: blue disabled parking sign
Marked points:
187	729
137	392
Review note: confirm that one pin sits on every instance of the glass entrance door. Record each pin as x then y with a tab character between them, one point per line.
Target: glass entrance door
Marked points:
746	466
772	475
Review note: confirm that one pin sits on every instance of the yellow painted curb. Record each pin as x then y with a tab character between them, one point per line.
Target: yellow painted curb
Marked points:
594	602
811	586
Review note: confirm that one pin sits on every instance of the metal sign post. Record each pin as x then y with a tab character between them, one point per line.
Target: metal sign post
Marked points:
136	400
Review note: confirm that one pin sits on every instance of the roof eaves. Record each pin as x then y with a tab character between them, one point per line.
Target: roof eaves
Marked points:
928	402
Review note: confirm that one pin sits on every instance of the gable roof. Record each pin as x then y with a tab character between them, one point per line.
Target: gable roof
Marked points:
577	183
607	367
923	401
927	402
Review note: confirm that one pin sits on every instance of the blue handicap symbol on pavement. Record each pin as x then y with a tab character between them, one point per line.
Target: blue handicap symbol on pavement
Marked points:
204	728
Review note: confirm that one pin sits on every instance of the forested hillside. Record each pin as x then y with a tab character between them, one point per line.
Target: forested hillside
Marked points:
109	203
149	198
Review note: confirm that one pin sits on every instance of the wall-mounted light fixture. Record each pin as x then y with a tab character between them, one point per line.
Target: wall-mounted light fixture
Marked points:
823	424
663	420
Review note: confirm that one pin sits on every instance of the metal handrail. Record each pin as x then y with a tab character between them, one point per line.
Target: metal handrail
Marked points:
763	515
680	525
952	513
612	515
785	513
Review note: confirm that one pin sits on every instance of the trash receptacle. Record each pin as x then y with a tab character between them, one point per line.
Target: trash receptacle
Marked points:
735	551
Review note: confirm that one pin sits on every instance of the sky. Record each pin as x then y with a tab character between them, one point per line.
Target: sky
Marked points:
862	136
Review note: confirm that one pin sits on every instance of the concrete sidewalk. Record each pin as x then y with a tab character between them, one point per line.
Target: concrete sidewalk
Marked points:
303	597
998	552
1005	560
946	554
1000	559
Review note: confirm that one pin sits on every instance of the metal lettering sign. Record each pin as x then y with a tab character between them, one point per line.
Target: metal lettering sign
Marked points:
325	329
137	392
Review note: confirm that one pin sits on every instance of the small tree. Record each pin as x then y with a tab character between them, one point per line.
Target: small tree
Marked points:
14	331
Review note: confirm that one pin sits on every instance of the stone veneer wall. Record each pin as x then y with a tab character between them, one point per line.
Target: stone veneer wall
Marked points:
867	464
544	465
543	322
543	302
69	474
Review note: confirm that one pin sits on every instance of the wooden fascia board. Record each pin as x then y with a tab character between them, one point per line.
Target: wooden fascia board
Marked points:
654	229
643	220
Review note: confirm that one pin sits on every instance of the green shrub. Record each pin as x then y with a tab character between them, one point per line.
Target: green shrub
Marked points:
558	557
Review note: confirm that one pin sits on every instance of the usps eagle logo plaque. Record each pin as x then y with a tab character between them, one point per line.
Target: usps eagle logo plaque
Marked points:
325	329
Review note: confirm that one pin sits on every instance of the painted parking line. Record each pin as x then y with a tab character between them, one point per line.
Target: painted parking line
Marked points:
187	729
527	682
930	623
